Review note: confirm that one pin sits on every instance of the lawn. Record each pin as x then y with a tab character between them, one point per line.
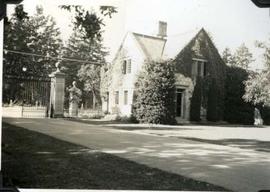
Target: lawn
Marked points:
34	160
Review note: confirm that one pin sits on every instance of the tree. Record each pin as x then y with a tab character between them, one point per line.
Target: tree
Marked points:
228	58
86	44
237	110
47	41
242	57
36	34
155	93
87	22
257	86
26	35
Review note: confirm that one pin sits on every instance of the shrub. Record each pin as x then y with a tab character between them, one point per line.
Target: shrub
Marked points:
237	110
196	99
265	113
155	92
213	102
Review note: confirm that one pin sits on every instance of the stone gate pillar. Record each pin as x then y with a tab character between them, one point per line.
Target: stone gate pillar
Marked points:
57	93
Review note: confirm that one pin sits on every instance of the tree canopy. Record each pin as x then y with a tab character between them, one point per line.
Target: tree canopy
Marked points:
257	86
30	34
242	57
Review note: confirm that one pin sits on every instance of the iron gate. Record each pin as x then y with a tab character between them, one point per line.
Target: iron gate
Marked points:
26	96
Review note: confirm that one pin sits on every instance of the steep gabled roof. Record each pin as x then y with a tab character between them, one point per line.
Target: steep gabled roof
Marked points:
152	47
176	43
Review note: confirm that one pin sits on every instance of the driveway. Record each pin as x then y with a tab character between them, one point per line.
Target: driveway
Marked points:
232	167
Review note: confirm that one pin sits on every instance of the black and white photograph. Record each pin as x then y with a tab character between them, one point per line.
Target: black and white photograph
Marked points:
135	95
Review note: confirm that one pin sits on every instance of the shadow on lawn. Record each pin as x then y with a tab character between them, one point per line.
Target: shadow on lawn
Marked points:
34	160
241	143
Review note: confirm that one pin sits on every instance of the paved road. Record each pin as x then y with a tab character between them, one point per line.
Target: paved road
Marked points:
230	167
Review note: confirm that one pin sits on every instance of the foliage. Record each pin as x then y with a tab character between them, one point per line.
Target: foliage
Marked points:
265	112
237	110
266	55
36	34
241	58
87	75
86	43
201	46
155	93
257	85
212	104
228	57
88	23
32	34
257	88
196	100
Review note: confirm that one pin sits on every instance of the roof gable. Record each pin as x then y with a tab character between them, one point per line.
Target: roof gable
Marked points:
152	47
199	43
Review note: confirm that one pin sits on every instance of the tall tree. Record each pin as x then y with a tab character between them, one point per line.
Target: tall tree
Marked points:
16	37
242	57
35	34
228	57
86	43
47	41
258	85
87	74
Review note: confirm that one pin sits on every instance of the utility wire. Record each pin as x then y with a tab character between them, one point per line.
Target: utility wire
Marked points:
51	57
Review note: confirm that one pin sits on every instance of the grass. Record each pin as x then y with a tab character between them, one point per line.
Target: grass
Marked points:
34	160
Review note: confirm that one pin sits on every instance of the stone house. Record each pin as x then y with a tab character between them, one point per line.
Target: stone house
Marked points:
195	57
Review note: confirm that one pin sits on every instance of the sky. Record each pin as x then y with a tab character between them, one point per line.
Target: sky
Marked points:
229	22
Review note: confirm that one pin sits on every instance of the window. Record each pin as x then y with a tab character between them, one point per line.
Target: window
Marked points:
126	68
199	68
129	66
116	97
125	97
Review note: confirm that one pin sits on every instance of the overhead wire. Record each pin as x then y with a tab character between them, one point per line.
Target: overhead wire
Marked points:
52	57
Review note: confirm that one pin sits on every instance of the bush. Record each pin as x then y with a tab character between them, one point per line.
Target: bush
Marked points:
236	109
213	102
196	99
155	92
265	113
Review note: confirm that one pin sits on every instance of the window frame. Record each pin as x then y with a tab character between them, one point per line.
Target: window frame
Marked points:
126	97
198	67
116	101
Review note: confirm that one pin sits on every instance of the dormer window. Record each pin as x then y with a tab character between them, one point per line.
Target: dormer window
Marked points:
198	67
126	68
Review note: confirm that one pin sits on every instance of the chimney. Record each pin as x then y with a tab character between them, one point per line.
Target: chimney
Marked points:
162	29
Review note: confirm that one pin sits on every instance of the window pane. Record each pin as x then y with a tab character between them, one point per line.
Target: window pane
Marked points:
194	68
125	97
129	66
204	69
117	97
124	67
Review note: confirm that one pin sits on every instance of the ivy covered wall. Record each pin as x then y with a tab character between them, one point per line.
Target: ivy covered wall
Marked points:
202	47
